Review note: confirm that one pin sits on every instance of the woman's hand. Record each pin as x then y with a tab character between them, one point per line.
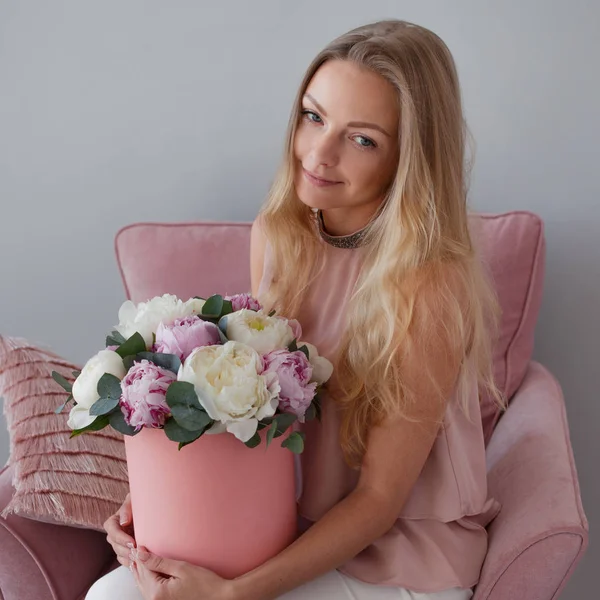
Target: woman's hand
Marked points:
119	528
164	579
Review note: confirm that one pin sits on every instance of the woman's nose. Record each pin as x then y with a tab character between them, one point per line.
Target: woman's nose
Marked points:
325	151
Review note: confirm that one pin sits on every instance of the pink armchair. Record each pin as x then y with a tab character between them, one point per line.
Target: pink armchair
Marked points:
541	532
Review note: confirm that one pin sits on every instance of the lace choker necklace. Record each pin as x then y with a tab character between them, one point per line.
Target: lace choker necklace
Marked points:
353	240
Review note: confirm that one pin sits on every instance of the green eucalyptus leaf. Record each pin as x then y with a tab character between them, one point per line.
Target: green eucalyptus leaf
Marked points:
176	433
213	307
133	345
182	393
254	441
284	421
317	404
103	406
272	313
223	337
294	443
109	386
64	384
183	444
116	420
227	308
190	418
129	360
115	339
171	362
304	350
311	412
63	405
222	324
98	424
293	346
271	432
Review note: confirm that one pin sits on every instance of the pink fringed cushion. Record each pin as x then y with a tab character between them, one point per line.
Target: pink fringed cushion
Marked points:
79	481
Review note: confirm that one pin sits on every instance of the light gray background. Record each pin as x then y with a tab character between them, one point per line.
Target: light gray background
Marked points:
118	111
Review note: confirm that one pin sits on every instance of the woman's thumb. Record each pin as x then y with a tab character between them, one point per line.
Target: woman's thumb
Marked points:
125	514
157	564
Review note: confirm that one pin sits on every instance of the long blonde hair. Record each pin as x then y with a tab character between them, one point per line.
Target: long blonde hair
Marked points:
418	245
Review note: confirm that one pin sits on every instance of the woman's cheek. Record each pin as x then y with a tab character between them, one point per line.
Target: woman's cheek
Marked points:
301	142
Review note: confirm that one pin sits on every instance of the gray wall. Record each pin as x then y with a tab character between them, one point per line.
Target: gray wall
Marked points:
117	111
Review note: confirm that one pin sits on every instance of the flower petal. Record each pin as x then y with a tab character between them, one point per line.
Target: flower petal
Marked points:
80	417
243	430
268	409
127	311
322	369
216	427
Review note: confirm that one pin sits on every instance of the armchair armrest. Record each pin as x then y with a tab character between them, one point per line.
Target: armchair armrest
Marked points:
42	561
541	532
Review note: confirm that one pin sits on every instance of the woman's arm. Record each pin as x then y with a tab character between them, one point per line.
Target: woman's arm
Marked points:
396	452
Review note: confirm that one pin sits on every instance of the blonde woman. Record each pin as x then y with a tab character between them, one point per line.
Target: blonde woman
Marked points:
364	238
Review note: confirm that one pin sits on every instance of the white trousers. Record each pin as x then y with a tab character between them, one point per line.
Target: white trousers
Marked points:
120	584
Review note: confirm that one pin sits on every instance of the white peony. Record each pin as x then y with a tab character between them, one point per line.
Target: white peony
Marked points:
80	417
195	305
145	317
85	390
322	368
258	330
229	387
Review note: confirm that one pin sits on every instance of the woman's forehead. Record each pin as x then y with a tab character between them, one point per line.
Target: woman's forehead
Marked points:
349	92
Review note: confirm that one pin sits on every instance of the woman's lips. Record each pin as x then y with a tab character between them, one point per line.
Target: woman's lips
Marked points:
319	181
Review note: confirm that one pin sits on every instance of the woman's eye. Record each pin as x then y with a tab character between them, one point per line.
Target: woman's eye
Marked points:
364	142
312	116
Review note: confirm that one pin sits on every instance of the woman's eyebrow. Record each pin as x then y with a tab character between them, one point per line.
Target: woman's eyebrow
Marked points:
359	124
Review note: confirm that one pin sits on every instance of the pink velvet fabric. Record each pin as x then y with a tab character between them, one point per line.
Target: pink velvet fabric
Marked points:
185	259
41	561
541	532
513	248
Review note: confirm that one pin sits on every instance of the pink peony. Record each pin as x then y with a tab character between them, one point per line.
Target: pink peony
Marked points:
143	402
294	373
246	301
185	335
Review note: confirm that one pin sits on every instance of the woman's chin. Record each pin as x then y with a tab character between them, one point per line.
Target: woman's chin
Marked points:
313	201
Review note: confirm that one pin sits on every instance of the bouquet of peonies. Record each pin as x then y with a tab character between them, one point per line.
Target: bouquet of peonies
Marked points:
200	367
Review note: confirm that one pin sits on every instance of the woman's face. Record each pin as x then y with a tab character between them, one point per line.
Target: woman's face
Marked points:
346	143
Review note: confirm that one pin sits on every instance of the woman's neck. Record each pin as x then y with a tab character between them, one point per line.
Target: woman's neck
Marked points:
346	221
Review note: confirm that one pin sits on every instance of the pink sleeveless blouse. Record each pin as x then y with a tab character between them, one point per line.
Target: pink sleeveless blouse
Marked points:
439	540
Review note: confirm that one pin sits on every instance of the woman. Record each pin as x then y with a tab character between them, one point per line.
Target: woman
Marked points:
369	208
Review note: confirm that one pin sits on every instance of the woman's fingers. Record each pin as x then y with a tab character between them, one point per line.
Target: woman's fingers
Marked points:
124	561
116	534
121	542
125	514
123	552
